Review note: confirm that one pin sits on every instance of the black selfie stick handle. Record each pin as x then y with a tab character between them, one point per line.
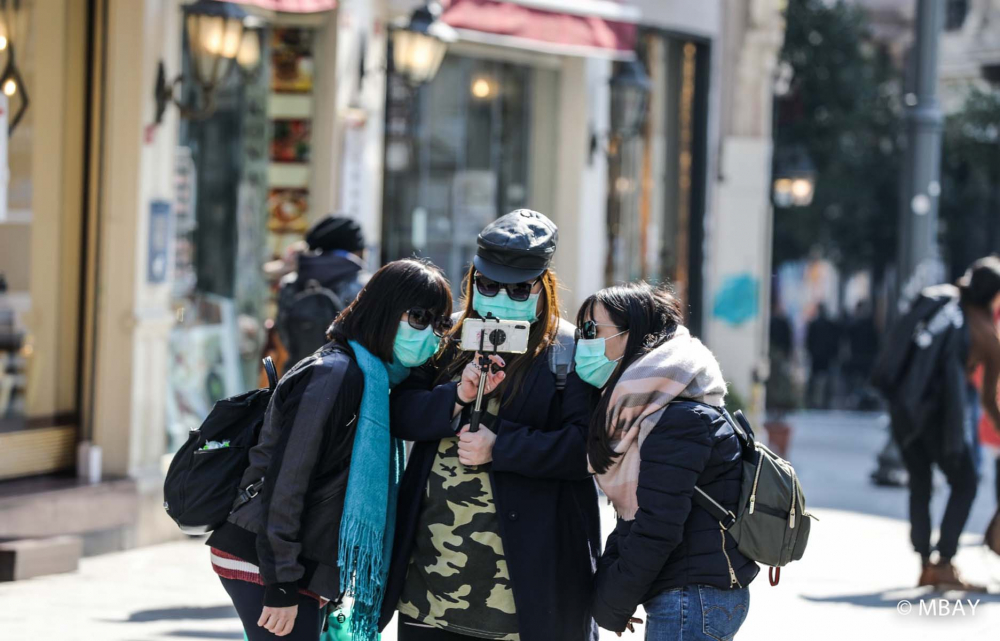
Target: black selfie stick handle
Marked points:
475	418
477	411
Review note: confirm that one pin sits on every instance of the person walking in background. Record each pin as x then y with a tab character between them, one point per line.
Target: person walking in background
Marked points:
924	372
783	391
328	276
823	346
862	344
316	517
499	529
656	434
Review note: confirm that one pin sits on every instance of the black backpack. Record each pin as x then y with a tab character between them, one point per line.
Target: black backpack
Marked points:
202	483
304	317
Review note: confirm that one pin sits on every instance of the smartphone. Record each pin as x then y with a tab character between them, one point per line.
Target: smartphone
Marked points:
493	335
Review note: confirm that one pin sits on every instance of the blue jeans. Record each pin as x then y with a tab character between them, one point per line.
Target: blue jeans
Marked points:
696	613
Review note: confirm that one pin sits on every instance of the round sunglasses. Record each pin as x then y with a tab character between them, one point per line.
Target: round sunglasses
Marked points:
516	291
420	319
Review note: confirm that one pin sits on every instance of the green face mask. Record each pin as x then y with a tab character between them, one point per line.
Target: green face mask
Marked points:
414	347
502	307
592	365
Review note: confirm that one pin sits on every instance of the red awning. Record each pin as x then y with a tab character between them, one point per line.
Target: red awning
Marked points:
292	6
555	26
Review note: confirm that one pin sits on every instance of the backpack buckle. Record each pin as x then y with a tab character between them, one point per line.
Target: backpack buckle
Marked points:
729	521
251	491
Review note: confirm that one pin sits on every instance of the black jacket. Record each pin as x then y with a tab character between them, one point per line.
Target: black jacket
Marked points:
291	528
921	372
546	500
672	542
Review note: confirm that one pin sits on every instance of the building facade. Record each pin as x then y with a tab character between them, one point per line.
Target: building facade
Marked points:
136	234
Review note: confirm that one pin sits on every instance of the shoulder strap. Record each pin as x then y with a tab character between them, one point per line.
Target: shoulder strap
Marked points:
561	353
314	287
739	421
272	373
725	517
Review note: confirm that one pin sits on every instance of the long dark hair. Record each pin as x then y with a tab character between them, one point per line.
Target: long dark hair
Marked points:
543	332
651	315
373	317
981	282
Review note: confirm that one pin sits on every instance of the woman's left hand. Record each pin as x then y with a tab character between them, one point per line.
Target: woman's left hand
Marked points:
630	626
475	448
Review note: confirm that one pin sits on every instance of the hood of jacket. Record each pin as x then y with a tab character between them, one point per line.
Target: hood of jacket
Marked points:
329	268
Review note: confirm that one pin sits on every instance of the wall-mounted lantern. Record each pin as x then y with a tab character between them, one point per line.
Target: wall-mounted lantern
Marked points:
630	88
13	31
794	178
218	33
418	47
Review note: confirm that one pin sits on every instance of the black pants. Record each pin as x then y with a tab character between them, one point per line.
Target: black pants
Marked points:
248	598
412	630
963	480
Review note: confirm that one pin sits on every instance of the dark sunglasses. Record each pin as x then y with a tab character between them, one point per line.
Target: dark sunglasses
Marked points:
420	319
517	291
588	330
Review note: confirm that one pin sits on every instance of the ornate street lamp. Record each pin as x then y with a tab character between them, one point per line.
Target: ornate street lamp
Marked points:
419	47
794	177
13	29
216	37
630	87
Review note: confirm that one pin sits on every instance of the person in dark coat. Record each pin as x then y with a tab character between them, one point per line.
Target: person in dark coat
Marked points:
823	344
658	432
334	262
277	554
924	371
498	530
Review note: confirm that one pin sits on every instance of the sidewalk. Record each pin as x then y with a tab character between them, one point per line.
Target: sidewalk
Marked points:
857	569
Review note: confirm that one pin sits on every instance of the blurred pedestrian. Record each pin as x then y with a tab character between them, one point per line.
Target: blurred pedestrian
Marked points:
924	371
656	434
823	346
316	517
783	393
862	347
328	276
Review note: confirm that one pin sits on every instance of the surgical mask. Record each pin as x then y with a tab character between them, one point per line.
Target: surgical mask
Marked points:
592	365
414	347
502	307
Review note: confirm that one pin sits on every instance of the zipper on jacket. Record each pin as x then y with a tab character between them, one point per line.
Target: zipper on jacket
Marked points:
791	512
756	478
732	573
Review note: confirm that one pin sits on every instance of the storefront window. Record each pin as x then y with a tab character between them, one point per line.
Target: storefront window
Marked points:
243	199
41	206
656	181
456	159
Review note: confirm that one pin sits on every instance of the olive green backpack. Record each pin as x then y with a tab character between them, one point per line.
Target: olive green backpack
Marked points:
771	525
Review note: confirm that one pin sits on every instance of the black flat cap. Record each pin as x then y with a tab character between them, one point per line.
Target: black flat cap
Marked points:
517	247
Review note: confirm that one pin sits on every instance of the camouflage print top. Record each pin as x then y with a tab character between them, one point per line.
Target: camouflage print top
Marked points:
457	579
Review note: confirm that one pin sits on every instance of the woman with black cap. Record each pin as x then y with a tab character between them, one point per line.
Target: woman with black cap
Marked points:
498	530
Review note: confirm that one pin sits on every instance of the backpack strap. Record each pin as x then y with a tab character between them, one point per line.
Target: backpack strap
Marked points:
272	373
561	353
725	517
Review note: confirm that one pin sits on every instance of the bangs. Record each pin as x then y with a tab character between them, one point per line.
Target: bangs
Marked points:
432	292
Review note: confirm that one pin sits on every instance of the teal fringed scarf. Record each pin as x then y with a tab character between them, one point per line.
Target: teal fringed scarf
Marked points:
369	520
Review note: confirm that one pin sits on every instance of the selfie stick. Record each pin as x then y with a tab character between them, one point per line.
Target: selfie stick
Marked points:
484	368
